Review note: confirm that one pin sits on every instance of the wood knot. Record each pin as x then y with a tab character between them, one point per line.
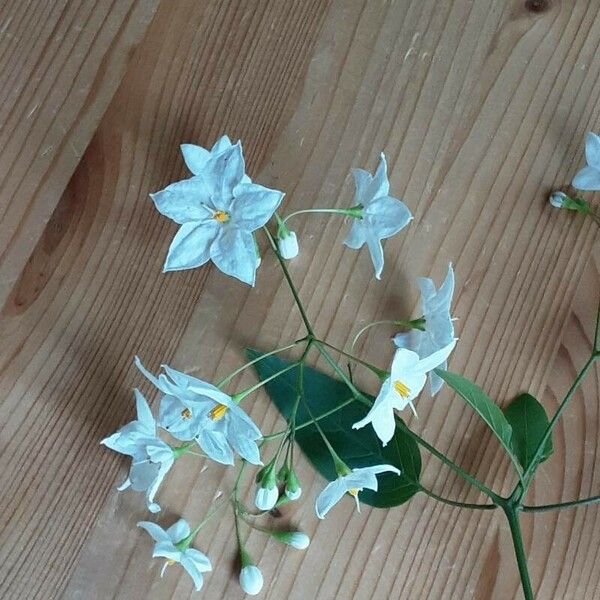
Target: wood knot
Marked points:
537	6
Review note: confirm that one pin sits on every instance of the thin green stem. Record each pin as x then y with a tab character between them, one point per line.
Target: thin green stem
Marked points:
337	211
241	395
291	285
562	505
382	374
227	379
517	537
414	324
455	502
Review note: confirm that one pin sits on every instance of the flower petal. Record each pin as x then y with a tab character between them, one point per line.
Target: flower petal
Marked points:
234	253
192	571
195	157
592	150
362	179
190	247
254	205
215	445
588	179
178	531
381	415
356	236
380	185
436	359
329	497
167	550
376	250
185	201
200	559
157	533
386	216
144	414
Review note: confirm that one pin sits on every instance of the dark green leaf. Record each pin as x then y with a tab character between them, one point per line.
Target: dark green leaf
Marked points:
357	448
529	422
483	406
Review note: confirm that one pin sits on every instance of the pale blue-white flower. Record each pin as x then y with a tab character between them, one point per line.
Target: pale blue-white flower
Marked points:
151	457
251	579
295	539
351	483
439	327
218	209
407	379
589	177
288	245
174	545
192	409
382	215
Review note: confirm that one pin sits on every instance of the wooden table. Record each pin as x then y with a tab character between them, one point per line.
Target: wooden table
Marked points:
481	107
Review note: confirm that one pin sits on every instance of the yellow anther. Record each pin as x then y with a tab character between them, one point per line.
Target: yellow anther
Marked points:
218	412
402	389
221	216
186	414
354	492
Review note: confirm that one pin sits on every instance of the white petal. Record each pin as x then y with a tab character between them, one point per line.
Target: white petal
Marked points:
254	205
436	359
144	414
381	415
386	216
265	498
222	144
195	157
362	179
409	340
166	550
191	245
157	533
588	179
288	246
178	531
200	559
215	446
234	253
376	250
380	186
329	497
592	150
184	201
356	236
192	571
251	580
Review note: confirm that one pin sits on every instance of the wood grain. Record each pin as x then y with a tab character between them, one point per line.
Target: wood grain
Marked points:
481	108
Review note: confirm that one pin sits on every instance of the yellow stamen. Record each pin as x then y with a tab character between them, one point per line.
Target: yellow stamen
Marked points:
186	414
171	562
402	389
218	412
221	216
354	492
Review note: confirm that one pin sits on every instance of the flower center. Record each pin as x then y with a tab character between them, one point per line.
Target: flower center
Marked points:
171	562
221	216
218	412
354	492
402	389
186	414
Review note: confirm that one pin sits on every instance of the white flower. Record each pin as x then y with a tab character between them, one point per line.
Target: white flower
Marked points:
299	540
174	545
589	177
288	245
251	580
439	328
352	483
266	497
407	379
218	209
192	409
151	457
382	215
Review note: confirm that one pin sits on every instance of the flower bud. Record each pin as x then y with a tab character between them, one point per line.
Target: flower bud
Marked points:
557	199
292	486
251	580
295	539
288	245
266	498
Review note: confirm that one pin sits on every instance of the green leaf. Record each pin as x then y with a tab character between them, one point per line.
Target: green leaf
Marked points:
484	407
529	422
356	447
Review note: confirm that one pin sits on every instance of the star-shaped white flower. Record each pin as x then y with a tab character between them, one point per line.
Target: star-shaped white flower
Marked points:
352	483
407	379
382	215
194	409
174	545
151	457
439	328
218	209
589	177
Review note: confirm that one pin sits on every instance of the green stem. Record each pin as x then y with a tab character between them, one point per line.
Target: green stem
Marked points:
379	372
414	324
237	398
517	537
337	211
455	502
227	379
562	505
291	285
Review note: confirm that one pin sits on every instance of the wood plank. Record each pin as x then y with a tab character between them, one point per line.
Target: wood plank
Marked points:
60	64
481	108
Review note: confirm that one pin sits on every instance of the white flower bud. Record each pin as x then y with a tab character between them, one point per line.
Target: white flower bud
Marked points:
251	580
293	494
557	199
299	540
288	245
266	498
